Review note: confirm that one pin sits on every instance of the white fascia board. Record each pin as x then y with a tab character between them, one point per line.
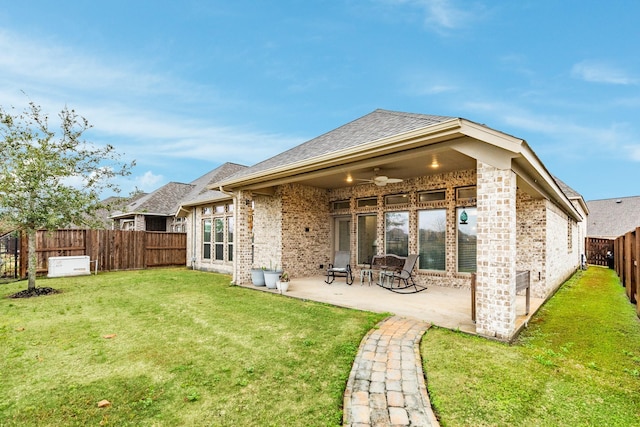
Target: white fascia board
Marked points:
532	169
495	151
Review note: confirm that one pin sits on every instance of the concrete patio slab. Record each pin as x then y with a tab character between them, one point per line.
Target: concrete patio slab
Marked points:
440	306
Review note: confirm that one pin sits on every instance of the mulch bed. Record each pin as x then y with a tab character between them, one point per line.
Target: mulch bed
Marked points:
36	292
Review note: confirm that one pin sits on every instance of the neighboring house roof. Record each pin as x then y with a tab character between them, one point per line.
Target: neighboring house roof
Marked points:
376	125
201	193
611	218
162	202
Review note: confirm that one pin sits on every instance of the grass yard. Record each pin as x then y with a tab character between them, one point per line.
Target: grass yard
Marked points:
578	364
172	347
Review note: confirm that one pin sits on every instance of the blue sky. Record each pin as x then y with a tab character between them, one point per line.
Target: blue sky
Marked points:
183	86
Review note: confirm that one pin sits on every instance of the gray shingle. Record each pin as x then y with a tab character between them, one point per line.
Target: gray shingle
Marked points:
611	218
371	127
200	191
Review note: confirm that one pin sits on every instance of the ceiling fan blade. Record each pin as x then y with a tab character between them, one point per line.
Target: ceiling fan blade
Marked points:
393	180
380	178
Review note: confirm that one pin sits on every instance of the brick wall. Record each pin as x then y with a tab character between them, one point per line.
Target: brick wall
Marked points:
267	230
446	181
496	251
563	251
531	240
306	227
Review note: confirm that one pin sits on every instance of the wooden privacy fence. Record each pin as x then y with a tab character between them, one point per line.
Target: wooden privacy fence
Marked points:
627	265
112	249
597	250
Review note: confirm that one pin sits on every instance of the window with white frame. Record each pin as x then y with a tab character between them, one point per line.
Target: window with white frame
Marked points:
218	238
230	231
206	238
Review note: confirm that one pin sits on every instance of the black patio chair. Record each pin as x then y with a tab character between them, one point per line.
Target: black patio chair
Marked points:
403	276
340	267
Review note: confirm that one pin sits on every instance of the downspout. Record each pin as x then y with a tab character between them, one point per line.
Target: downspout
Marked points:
234	276
194	239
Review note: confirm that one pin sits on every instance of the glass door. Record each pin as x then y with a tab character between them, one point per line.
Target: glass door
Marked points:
342	237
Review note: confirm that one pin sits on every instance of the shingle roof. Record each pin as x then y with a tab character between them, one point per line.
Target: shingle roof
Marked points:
376	125
200	191
568	191
611	218
163	201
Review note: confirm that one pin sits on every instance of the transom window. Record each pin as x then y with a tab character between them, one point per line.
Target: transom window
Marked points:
396	199
371	201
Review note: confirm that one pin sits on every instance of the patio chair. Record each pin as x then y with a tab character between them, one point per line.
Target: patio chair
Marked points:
406	284
340	267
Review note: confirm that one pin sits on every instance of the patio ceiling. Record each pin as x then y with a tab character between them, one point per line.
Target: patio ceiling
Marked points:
432	160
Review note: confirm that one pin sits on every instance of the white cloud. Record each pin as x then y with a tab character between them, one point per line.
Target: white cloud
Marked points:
444	16
561	134
599	72
148	181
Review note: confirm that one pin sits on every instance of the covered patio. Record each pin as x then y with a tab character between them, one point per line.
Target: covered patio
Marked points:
441	306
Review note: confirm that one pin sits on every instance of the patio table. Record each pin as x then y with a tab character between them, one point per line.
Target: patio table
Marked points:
366	273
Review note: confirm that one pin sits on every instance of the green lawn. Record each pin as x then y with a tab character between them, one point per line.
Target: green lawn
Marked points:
578	364
188	350
191	350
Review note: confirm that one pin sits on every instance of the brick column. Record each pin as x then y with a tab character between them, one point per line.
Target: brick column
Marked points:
243	238
496	251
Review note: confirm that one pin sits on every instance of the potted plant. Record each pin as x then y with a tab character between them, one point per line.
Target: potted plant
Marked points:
271	277
283	283
257	276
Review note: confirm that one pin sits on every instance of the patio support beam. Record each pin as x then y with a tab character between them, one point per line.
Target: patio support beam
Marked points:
496	252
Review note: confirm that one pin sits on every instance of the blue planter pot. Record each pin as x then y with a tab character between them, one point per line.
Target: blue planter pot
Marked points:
271	277
257	277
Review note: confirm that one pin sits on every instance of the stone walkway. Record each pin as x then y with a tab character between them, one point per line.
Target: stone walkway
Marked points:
386	386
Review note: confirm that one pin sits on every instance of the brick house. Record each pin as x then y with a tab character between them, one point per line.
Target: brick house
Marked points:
466	197
207	215
160	210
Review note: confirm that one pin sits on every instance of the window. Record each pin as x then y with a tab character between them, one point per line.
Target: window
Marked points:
466	219
363	203
340	205
396	199
432	196
206	210
466	194
206	239
432	225
230	238
396	233
367	233
219	209
218	238
230	208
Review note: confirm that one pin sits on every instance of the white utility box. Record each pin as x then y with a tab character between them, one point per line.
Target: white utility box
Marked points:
60	266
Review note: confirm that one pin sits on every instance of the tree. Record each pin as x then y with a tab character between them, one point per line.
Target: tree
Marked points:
48	180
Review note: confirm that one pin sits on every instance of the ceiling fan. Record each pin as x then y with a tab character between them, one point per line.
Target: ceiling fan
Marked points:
380	180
